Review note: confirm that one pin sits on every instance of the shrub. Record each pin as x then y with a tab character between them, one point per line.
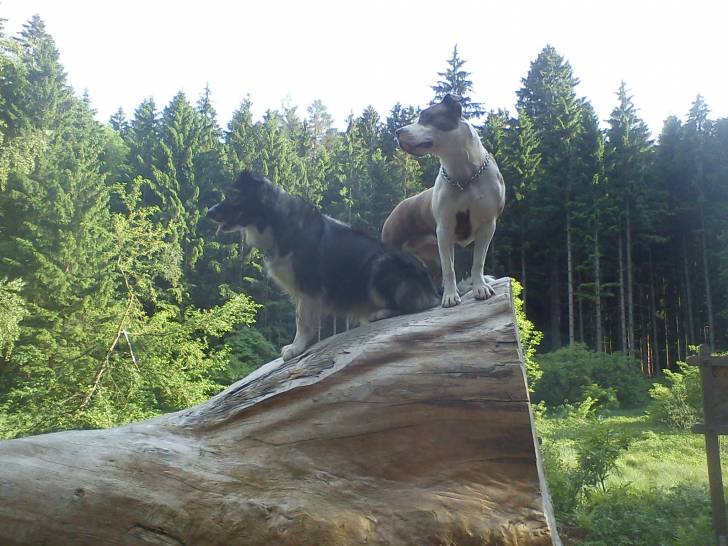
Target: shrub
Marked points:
529	336
622	516
678	403
596	456
573	373
248	351
597	450
563	487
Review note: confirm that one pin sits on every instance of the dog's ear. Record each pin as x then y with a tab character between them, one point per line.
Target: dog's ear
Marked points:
453	102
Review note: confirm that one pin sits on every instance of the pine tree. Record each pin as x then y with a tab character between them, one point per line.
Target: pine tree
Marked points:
318	123
526	170
55	222
143	140
240	140
455	81
593	215
697	139
548	97
628	160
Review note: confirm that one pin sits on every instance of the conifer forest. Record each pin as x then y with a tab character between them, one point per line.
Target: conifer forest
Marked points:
118	301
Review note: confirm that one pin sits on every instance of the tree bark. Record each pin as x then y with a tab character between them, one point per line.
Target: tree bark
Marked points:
630	284
653	319
597	294
622	310
570	279
412	430
555	304
688	295
706	273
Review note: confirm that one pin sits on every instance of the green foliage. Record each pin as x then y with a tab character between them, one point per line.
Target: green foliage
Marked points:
573	373
677	516
605	398
597	449
529	337
596	456
679	402
563	487
646	500
248	351
12	311
131	357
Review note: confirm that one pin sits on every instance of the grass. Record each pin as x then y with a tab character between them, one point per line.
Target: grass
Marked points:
658	455
660	463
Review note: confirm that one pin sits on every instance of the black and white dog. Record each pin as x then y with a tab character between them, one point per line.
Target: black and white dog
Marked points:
323	264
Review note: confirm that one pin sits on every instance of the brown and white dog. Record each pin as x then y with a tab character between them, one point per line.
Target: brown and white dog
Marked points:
462	207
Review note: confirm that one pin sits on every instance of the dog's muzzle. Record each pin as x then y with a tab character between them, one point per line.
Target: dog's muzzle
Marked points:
404	139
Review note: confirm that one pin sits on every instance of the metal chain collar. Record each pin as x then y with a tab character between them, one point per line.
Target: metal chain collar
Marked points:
462	184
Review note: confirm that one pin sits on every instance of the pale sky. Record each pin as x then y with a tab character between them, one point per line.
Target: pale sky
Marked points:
379	52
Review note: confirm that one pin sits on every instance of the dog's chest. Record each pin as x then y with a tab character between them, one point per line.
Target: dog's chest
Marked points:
280	269
462	210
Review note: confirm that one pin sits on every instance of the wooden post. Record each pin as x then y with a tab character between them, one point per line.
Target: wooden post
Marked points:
714	383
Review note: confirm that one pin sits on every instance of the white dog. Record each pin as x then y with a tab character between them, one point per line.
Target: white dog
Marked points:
462	207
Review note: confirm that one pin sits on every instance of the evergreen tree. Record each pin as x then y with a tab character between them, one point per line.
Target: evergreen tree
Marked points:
455	81
697	137
523	180
143	141
628	156
548	97
240	140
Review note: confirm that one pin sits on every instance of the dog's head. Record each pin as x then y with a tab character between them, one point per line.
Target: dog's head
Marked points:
241	206
435	129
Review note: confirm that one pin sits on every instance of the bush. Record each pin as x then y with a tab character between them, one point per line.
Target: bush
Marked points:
248	351
596	457
529	336
677	516
563	487
678	403
574	373
597	449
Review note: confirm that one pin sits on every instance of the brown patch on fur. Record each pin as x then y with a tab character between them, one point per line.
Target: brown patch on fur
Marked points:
462	225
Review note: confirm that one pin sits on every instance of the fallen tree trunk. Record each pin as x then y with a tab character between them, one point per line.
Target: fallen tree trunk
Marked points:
414	430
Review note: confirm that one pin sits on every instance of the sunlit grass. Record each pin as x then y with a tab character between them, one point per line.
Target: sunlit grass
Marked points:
657	456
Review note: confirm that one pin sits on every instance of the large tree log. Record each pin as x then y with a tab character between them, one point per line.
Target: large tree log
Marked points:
414	430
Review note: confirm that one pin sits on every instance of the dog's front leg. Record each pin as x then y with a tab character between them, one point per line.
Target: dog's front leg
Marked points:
481	289
446	249
308	312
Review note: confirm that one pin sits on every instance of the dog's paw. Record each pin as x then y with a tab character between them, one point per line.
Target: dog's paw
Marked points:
291	351
450	299
482	290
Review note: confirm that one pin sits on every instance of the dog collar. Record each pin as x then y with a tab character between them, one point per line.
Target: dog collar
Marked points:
461	184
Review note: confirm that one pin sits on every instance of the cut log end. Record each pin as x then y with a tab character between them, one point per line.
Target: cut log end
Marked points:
412	430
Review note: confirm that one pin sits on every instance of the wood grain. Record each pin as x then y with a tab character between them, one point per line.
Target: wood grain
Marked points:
414	430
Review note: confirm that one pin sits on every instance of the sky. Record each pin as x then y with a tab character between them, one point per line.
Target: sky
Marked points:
351	54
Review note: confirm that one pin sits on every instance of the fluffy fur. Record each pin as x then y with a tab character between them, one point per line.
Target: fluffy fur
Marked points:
429	224
322	263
